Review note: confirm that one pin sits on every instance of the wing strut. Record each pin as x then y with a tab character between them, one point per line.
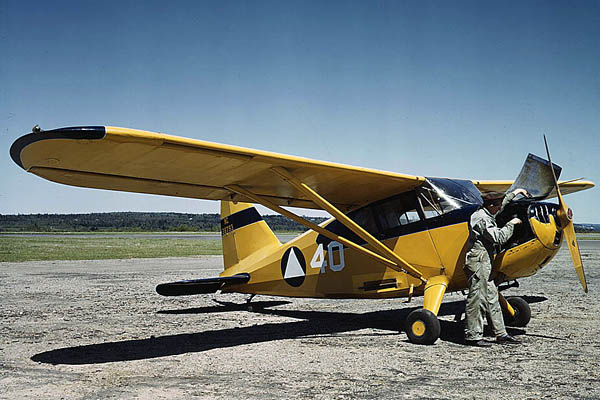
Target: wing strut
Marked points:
379	247
330	235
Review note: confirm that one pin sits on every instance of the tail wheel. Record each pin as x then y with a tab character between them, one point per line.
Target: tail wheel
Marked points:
522	312
422	327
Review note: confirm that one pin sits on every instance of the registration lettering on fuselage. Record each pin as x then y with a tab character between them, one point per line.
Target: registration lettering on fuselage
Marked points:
335	258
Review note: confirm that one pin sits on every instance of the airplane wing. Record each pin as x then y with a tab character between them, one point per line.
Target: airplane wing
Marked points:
145	162
566	187
538	179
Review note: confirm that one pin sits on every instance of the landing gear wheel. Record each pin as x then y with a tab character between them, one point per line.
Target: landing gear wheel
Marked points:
522	312
422	327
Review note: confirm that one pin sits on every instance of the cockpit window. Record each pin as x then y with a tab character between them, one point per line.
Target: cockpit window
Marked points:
412	211
364	218
441	196
399	210
430	203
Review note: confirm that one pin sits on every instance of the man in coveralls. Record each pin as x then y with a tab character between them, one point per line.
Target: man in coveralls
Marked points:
484	237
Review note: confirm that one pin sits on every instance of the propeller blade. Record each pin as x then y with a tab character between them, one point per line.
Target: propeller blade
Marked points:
565	215
571	240
558	193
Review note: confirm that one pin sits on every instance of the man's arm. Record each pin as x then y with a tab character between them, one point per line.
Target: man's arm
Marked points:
498	235
511	196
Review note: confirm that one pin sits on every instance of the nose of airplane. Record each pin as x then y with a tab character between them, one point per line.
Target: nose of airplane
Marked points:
545	225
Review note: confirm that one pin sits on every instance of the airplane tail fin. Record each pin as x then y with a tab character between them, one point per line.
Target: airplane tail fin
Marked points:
243	232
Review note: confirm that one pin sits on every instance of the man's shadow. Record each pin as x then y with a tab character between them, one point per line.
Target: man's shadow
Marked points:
309	323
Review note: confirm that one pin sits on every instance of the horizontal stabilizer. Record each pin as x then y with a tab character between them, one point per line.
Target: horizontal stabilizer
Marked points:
199	286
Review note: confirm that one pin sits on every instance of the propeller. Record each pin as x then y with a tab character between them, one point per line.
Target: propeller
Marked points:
565	216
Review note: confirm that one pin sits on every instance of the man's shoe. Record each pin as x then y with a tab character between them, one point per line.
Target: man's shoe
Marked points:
507	339
478	343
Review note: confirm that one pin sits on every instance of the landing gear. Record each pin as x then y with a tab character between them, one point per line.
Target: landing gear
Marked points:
422	327
249	306
522	314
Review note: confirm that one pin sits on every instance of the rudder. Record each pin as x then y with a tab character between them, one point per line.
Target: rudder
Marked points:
243	232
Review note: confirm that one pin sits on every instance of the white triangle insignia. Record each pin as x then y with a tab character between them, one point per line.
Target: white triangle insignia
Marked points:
293	268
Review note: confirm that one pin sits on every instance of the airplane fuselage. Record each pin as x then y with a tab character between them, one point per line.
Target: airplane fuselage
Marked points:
427	227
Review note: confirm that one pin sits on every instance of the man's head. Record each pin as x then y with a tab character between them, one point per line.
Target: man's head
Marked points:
492	201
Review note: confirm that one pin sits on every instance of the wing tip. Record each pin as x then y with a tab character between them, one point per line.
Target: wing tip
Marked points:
74	132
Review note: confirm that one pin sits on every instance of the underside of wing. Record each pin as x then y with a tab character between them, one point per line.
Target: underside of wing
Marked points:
146	162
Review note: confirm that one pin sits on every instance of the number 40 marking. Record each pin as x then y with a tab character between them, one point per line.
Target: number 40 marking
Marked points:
318	260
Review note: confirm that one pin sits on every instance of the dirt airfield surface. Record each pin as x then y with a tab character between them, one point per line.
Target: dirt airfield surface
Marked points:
97	330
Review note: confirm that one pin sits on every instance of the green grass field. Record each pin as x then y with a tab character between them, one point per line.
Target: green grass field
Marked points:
16	249
94	247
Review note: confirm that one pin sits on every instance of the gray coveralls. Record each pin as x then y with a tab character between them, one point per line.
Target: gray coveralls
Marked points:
484	235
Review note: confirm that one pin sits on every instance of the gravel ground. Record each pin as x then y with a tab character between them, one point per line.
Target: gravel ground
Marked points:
97	330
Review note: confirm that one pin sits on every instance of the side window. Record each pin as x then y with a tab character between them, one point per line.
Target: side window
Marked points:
430	203
409	217
383	219
398	211
364	218
388	215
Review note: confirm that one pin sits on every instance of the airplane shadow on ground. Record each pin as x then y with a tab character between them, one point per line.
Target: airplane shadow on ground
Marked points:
227	306
309	324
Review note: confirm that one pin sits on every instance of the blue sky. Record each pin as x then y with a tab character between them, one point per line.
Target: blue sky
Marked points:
451	89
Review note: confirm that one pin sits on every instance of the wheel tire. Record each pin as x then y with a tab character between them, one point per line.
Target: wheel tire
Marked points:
422	327
522	312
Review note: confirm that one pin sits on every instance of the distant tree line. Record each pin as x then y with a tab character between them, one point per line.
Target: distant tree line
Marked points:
132	222
151	222
587	228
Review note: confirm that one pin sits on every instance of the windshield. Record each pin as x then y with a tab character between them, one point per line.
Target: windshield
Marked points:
440	196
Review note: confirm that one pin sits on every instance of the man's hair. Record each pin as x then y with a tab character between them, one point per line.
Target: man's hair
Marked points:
492	202
492	198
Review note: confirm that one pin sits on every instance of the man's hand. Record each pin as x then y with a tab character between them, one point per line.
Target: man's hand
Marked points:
521	191
515	221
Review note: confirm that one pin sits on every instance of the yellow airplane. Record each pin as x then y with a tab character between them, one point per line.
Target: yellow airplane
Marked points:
391	235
